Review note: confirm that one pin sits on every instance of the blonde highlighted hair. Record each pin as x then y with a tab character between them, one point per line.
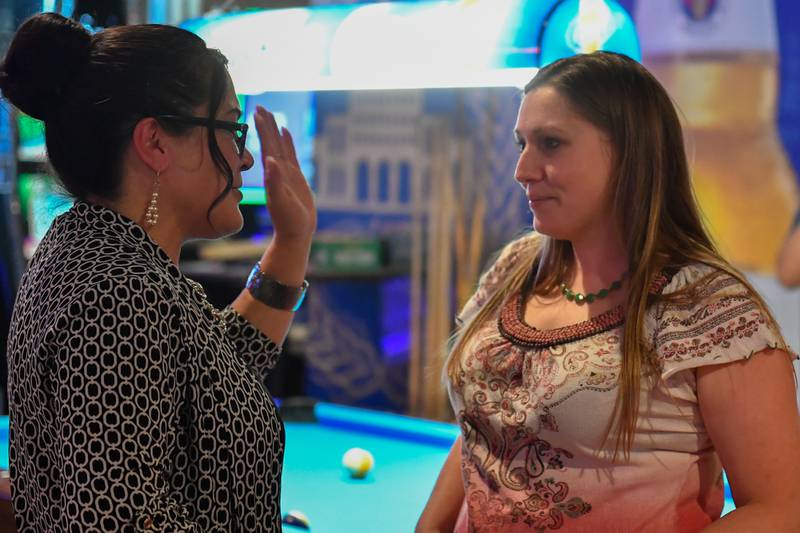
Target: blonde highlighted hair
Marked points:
656	211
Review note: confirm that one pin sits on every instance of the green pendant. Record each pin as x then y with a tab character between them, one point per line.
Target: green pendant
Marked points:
580	298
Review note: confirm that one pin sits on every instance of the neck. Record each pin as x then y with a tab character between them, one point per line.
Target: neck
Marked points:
165	233
166	238
600	259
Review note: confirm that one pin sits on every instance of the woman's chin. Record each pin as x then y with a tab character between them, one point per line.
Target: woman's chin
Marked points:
236	224
541	227
555	231
226	224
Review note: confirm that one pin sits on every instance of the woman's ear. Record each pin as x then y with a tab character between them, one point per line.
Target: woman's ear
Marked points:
149	144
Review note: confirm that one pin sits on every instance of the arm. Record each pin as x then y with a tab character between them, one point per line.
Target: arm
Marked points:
291	207
117	402
788	267
749	408
286	263
441	511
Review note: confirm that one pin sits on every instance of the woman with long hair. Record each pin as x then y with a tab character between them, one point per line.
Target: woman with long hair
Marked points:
135	404
611	362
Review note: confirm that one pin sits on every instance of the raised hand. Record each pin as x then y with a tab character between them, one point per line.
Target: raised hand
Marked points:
290	199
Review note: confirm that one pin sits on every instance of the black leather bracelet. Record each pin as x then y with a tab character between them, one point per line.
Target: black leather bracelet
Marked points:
273	293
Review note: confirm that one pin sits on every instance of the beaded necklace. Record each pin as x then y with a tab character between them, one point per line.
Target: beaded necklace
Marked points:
580	298
208	306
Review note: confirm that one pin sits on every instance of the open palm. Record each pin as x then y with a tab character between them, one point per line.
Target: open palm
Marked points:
290	200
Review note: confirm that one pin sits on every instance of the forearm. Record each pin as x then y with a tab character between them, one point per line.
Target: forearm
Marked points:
286	262
441	512
773	517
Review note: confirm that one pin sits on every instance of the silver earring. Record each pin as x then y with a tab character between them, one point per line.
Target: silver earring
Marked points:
151	216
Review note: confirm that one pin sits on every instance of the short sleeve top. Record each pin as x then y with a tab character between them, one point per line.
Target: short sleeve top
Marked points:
534	407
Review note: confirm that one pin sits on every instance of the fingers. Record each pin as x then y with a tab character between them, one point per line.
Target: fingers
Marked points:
268	134
288	145
278	155
264	135
273	175
278	151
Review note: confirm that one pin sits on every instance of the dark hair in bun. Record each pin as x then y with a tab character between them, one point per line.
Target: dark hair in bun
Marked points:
92	90
47	51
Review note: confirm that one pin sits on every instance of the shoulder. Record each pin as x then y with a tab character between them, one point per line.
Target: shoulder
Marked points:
708	316
73	275
504	262
507	259
698	292
699	281
79	250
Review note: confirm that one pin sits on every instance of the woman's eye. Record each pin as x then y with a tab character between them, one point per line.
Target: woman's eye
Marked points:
550	143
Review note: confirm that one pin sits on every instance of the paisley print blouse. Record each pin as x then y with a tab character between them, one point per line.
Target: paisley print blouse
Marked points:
534	406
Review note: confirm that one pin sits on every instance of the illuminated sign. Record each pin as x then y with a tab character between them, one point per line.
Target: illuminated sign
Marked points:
465	43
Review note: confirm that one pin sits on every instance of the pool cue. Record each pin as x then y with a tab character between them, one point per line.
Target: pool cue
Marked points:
418	221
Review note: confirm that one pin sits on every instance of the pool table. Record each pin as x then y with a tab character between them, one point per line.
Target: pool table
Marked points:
408	454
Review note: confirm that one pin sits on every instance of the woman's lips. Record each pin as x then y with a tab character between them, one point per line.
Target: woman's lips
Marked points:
533	200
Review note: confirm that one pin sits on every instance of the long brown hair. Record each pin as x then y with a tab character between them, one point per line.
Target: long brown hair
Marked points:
654	202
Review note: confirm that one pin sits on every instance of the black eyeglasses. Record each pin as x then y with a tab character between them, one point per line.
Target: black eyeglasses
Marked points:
239	130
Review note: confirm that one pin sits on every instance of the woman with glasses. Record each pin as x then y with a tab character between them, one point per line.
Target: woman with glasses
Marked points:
134	403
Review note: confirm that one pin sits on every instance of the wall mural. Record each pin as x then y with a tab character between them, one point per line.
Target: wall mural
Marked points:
377	174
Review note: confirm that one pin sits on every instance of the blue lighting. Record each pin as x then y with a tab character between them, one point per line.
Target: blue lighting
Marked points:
396	345
584	26
396	319
386	424
4	428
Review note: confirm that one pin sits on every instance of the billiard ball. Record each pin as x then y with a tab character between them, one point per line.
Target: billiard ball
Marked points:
297	519
358	462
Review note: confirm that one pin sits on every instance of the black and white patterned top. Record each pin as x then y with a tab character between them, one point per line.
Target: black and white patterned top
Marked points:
132	407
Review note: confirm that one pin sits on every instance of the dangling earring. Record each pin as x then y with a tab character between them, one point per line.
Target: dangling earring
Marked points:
151	216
